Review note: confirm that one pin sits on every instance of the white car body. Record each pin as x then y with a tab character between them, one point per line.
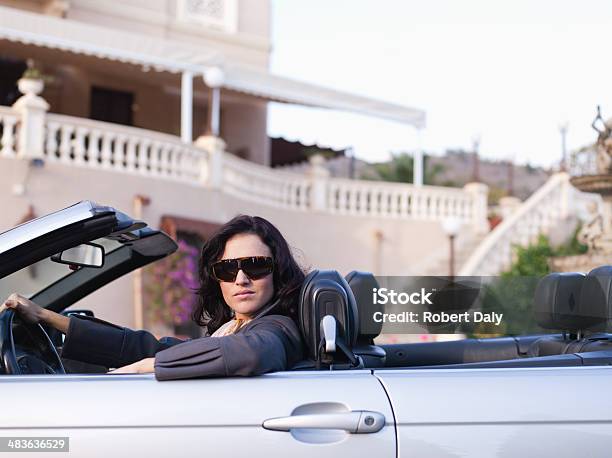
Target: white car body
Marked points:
445	412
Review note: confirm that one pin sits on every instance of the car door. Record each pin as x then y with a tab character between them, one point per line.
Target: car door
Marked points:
544	412
306	413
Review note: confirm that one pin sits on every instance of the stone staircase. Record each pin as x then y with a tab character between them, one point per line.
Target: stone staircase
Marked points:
553	210
465	245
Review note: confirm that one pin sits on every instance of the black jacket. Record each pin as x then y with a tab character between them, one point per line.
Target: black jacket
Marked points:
265	344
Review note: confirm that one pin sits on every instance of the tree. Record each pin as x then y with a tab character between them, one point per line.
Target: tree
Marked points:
400	169
513	291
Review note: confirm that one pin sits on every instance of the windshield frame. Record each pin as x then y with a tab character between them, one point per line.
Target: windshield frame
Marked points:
147	246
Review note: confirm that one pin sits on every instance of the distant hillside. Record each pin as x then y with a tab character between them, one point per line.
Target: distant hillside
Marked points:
455	168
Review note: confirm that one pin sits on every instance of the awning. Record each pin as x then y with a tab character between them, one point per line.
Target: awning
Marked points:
280	89
176	57
92	40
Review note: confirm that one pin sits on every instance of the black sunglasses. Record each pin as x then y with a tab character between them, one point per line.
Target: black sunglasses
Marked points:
254	267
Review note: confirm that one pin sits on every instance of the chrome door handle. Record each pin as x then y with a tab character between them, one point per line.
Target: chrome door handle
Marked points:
356	421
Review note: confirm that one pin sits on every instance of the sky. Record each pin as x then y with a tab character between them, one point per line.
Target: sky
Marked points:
508	73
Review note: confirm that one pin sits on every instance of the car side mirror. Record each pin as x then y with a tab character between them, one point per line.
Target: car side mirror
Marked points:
84	255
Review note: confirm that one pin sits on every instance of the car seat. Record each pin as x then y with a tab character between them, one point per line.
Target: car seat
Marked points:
329	321
362	285
574	303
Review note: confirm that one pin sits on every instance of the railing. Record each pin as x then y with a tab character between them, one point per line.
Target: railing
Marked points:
95	144
396	200
546	207
28	131
8	130
257	183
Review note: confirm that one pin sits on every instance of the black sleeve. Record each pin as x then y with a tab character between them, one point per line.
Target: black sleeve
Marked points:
271	343
99	342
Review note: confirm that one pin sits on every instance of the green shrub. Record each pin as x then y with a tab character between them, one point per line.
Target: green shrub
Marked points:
512	293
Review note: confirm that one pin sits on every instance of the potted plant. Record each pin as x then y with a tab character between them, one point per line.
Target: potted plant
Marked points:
32	81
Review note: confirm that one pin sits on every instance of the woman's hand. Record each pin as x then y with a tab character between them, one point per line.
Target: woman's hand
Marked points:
28	310
144	366
34	313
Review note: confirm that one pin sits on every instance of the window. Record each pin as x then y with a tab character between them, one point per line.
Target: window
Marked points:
10	71
111	106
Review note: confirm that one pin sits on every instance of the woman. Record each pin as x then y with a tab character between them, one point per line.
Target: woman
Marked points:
249	286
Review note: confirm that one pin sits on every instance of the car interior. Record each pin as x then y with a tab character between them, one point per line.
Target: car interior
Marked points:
574	304
36	349
574	307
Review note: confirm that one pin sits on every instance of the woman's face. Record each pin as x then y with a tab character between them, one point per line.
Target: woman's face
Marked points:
243	295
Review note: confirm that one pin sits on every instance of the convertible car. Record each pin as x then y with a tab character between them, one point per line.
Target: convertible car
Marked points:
542	395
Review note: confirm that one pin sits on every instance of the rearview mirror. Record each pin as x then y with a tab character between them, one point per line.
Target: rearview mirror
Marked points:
84	255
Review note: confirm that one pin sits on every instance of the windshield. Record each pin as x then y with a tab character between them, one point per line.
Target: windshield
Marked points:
38	276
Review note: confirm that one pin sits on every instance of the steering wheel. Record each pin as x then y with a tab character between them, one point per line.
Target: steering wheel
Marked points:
26	348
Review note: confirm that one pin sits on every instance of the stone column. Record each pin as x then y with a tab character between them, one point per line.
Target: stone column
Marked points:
417	164
32	110
187	107
211	172
320	177
214	78
479	193
508	205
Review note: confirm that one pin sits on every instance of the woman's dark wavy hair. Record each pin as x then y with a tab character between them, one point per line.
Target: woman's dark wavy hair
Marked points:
211	310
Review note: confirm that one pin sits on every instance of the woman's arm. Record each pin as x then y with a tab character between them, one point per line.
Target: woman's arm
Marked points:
34	313
89	339
55	320
270	343
99	342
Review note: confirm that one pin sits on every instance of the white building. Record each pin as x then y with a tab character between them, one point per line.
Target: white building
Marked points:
126	98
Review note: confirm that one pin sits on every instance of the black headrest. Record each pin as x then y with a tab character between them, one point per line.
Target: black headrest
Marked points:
596	296
362	284
325	292
560	304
